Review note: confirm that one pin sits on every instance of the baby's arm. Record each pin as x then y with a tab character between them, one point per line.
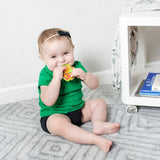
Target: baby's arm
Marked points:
50	93
89	79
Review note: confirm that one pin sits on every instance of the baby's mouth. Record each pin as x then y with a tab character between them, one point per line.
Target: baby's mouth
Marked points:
61	64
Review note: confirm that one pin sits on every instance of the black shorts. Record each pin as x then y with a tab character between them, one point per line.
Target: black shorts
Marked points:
75	117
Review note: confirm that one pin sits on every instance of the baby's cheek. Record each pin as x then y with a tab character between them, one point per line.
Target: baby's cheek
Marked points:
51	67
71	60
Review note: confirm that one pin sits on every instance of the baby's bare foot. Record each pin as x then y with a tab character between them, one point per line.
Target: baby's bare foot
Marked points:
104	144
100	128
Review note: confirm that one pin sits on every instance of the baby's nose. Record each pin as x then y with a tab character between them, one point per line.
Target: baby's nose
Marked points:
61	59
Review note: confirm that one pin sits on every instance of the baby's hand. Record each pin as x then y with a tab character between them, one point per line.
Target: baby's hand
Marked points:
58	72
79	73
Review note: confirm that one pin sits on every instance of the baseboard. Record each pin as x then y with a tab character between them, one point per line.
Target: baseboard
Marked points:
105	77
30	91
18	93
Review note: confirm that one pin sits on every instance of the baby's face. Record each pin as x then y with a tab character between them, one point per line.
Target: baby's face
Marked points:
57	53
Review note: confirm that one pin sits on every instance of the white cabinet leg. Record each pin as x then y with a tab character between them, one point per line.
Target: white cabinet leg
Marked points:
132	109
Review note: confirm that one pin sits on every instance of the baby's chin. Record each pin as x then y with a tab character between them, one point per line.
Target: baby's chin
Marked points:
71	63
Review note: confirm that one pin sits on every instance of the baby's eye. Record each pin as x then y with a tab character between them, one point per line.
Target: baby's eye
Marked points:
65	53
53	57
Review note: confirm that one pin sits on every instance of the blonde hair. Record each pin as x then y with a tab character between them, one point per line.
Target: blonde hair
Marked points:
49	34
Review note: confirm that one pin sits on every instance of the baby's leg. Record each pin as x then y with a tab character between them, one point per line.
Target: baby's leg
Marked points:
96	110
61	125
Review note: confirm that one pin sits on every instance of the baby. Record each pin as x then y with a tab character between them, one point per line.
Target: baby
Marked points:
63	109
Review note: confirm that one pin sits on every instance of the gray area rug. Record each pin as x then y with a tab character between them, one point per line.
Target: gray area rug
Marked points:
21	137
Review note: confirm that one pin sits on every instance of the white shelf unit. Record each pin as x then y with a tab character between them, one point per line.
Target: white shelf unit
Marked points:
133	76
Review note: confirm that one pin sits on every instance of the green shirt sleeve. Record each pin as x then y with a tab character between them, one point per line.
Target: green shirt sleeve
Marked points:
45	77
78	64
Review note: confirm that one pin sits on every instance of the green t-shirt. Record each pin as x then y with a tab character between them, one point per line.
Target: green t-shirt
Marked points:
70	95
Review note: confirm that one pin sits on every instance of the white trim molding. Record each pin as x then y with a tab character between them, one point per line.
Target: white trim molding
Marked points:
105	77
18	93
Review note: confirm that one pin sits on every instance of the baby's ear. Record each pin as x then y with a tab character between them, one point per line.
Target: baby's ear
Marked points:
41	57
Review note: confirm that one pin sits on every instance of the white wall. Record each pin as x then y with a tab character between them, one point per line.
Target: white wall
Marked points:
91	23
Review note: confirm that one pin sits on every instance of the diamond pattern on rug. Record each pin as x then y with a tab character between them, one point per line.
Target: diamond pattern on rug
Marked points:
21	137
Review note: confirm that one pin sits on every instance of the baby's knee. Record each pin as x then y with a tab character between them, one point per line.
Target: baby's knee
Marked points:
101	102
56	122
